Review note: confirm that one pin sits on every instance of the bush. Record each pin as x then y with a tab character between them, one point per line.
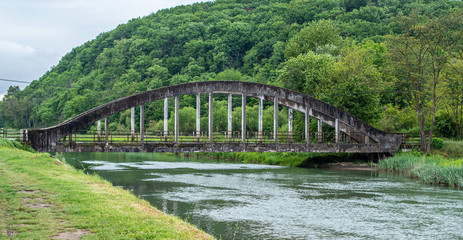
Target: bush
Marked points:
437	143
444	126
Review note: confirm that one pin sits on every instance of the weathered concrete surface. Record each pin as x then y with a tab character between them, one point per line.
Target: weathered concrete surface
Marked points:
220	147
46	139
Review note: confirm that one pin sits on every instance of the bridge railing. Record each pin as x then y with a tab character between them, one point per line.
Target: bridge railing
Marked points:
252	137
11	134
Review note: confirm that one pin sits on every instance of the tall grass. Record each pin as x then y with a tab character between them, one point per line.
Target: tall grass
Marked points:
15	144
429	169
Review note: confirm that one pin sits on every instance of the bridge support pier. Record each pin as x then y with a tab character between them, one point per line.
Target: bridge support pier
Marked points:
198	117
99	130
142	125
176	126
211	116
132	123
229	117
320	131
261	104
307	125
106	131
275	119
290	125
336	128
243	120
166	118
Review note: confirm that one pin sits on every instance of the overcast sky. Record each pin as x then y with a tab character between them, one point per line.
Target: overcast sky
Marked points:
35	34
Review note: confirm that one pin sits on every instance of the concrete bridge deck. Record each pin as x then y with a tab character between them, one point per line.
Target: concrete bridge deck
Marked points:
349	134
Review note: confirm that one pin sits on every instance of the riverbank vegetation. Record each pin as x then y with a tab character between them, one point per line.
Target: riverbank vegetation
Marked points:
41	197
358	55
305	160
433	169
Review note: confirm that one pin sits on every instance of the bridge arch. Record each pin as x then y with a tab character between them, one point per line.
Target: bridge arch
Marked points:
47	139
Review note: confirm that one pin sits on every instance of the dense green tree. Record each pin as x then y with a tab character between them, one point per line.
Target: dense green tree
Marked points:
420	56
323	48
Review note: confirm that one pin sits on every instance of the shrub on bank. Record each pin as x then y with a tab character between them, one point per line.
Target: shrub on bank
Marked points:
437	143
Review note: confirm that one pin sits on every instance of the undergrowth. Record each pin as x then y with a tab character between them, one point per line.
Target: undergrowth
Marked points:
433	169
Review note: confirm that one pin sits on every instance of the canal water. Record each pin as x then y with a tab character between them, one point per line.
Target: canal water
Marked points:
248	201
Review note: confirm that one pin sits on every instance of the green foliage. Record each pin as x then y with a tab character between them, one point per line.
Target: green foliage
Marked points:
317	37
308	73
445	125
328	49
437	143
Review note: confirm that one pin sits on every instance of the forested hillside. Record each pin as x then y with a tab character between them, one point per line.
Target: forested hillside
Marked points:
392	63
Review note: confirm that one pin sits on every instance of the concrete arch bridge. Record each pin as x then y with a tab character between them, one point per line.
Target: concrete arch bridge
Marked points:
347	134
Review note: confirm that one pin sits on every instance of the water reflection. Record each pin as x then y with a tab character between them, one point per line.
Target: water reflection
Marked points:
266	202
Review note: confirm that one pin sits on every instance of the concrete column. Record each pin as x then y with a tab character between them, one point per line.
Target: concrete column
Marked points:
275	119
290	124
243	118
99	129
106	130
261	105
229	117
307	125
132	122
211	116
320	130
166	118
367	140
142	125
198	117
177	127
336	127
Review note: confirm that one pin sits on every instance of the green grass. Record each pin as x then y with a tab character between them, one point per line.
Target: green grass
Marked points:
434	169
71	200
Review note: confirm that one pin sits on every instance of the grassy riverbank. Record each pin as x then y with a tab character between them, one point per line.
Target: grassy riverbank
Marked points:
433	169
43	198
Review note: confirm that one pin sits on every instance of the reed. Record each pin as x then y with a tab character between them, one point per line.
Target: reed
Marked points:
434	169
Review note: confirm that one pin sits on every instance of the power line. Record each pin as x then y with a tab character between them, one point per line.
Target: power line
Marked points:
11	80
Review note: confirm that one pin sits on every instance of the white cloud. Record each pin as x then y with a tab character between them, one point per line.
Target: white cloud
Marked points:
2	96
13	48
36	34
